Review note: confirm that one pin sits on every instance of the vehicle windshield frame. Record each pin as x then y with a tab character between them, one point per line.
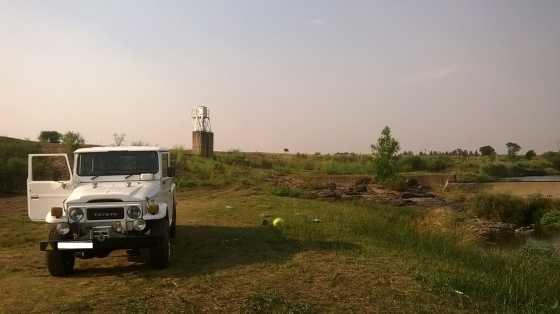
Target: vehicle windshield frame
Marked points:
153	168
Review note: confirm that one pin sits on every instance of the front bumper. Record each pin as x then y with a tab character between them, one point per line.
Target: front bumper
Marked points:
136	242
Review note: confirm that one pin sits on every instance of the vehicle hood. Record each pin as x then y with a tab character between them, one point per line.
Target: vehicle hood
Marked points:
128	192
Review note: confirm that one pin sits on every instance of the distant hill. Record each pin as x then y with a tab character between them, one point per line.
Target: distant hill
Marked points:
5	139
47	148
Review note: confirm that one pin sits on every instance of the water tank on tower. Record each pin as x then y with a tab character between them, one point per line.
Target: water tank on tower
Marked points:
202	136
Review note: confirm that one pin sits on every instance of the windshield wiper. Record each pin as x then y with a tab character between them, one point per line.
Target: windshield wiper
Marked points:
94	177
130	175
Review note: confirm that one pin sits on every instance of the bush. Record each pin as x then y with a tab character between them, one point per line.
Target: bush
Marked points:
397	183
439	163
551	220
553	158
516	169
412	163
13	165
286	191
502	207
408	163
512	209
497	170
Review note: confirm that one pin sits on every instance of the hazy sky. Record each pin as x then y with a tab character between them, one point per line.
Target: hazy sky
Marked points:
306	75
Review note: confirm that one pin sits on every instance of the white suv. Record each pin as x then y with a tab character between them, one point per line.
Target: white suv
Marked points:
116	198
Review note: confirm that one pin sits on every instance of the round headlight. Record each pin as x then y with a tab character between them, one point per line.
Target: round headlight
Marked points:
134	212
139	225
76	214
63	228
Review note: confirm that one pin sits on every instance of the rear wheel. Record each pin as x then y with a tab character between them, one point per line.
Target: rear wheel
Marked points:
59	263
159	256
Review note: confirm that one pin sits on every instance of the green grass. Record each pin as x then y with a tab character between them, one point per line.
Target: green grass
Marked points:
503	281
18	231
224	247
520	211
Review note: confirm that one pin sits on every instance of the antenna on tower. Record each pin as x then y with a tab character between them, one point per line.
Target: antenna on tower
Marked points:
202	136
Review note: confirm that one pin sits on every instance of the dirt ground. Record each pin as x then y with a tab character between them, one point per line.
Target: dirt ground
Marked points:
550	189
224	263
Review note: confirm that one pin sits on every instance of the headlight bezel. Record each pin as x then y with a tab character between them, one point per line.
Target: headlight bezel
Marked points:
137	212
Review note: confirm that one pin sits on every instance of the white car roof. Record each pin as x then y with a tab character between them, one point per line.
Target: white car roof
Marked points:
103	149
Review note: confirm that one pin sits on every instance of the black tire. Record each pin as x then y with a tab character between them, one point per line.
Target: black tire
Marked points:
159	256
173	229
59	263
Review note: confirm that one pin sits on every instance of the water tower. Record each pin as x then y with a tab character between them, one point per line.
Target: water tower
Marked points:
202	136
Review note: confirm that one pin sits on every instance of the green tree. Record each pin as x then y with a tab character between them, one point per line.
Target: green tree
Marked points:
487	151
50	137
530	154
72	141
512	149
385	155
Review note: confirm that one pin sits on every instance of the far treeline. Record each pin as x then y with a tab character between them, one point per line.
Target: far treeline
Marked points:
386	162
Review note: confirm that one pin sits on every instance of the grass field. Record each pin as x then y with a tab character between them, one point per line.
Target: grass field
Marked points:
525	188
358	258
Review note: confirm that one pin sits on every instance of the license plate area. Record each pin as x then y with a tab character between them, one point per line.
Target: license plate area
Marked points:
75	245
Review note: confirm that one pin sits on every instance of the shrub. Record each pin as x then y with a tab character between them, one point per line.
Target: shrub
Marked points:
497	170
553	158
286	191
411	163
397	183
551	219
439	163
516	169
13	165
512	209
502	207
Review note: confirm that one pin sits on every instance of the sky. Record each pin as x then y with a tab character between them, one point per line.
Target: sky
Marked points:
310	76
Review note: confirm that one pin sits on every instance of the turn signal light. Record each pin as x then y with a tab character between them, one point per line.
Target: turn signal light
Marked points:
56	212
153	208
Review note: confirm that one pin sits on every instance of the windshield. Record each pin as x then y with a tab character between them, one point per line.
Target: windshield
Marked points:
117	163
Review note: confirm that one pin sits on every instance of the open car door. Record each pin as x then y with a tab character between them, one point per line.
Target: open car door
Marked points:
48	183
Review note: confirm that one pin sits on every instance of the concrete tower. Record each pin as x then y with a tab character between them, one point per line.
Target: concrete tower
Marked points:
202	136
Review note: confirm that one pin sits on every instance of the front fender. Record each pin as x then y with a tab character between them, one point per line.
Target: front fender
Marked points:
161	213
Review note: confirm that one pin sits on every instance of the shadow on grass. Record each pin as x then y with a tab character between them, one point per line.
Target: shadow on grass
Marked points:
206	249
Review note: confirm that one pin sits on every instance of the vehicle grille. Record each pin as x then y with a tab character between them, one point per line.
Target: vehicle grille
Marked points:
105	213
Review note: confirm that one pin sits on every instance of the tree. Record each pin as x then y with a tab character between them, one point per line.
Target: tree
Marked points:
530	154
385	155
72	141
487	151
50	137
118	139
512	149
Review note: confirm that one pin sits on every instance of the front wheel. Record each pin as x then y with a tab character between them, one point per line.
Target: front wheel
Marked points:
159	256
59	263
